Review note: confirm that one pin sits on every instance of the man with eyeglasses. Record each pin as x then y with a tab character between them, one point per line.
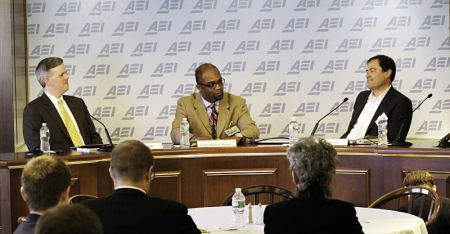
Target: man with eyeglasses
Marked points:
128	209
212	113
380	98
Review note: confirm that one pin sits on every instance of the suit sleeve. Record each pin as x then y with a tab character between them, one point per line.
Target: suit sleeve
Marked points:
32	122
246	124
179	115
399	114
94	137
185	223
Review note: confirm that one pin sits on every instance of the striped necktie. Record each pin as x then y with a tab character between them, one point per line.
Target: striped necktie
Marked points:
213	120
69	125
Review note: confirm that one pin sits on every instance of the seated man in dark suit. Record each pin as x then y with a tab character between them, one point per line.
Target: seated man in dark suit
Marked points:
45	184
423	178
66	116
211	111
69	219
129	209
380	98
313	164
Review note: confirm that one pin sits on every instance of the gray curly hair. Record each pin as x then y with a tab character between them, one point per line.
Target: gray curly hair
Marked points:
314	163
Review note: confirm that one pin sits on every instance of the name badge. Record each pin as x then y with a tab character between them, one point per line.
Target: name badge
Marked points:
233	130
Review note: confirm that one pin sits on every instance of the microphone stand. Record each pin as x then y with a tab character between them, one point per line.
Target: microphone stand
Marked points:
106	148
397	141
317	124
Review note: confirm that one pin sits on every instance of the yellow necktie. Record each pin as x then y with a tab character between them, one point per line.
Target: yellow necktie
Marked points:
69	125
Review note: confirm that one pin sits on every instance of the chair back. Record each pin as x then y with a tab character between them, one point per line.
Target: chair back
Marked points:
21	219
408	198
79	198
256	190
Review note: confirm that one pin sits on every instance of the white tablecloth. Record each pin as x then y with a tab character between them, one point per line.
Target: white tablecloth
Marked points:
373	221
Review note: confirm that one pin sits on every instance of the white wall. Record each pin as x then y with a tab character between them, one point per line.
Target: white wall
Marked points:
131	60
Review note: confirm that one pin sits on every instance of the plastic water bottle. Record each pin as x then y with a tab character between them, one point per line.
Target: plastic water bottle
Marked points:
184	130
382	131
293	131
45	138
238	203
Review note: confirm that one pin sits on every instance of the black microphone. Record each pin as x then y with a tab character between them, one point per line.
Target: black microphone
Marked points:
105	148
317	124
397	141
444	141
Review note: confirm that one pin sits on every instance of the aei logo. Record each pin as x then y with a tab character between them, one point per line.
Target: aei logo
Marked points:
155	89
262	24
304	5
398	21
404	4
68	7
170	5
159	26
294	24
59	28
435	20
126	27
99	69
335	65
287	87
100	7
204	5
168	110
355	86
439	106
417	42
183	90
35	8
315	44
351	43
306	107
91	28
133	6
226	25
130	69
144	47
269	5
371	4
42	50
423	85
118	133
135	111
303	65
236	5
182	46
364	22
256	87
193	25
267	66
77	49
437	63
336	5
330	23
230	67
383	43
429	126
107	111
164	68
85	91
272	108
212	46
245	46
280	45
321	86
118	90
111	48
155	131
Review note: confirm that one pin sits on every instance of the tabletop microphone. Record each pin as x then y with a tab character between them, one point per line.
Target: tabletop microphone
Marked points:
397	141
106	148
317	124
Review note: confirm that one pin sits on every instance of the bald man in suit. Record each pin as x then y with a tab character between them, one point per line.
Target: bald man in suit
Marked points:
197	108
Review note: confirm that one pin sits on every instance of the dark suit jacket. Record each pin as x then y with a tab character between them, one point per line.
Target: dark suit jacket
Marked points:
132	211
41	110
442	225
232	108
395	105
318	217
27	227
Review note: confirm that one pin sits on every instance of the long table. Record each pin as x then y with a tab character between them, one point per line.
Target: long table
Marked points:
200	177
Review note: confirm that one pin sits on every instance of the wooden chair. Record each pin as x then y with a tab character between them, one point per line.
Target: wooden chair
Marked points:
256	190
21	219
79	198
426	197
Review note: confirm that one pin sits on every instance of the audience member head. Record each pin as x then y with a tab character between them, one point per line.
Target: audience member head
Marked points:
313	163
44	66
45	183
69	219
419	178
386	63
209	82
132	165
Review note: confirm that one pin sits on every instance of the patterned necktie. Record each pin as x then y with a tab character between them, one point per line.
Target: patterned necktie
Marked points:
69	125
213	120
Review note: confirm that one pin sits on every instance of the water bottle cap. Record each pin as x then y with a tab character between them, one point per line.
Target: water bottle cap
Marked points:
292	118
184	119
238	189
44	124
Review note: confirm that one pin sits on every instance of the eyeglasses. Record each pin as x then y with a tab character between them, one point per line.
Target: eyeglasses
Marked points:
214	85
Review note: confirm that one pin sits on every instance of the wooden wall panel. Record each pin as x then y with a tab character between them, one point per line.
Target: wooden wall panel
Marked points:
167	185
352	185
219	183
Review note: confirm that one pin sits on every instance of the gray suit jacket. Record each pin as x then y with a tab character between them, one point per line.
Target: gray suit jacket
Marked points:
41	110
232	108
